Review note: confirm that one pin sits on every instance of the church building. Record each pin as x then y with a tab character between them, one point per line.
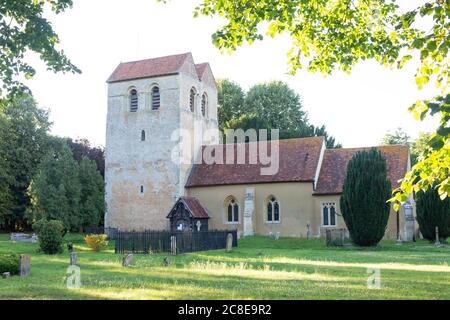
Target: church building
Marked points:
162	116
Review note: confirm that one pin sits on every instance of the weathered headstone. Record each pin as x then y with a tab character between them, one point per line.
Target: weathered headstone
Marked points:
24	265
23	237
437	243
173	245
409	222
229	245
73	258
308	231
166	262
335	237
199	225
127	260
6	275
277	235
249	207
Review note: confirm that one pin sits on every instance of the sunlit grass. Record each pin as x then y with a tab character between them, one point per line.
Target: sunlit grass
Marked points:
259	268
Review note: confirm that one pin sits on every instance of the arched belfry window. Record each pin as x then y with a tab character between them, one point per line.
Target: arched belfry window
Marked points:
143	135
156	98
133	100
273	209
232	210
204	104
192	100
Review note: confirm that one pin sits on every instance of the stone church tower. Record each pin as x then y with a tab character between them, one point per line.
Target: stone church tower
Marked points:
160	111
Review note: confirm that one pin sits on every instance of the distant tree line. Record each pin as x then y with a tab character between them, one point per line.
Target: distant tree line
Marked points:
44	176
271	105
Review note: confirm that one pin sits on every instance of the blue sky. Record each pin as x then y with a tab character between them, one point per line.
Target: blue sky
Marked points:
357	109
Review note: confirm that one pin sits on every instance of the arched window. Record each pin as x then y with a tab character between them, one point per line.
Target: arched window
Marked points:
143	135
204	104
329	214
192	100
156	98
232	210
133	100
273	209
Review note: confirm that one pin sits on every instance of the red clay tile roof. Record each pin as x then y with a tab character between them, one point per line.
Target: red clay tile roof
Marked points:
194	206
201	69
148	68
334	167
298	160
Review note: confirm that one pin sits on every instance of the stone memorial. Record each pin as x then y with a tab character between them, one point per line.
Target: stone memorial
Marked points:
24	265
73	258
335	237
127	260
277	235
23	237
249	207
409	222
166	262
70	247
6	275
229	245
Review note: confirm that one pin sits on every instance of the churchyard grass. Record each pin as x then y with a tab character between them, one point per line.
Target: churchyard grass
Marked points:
259	268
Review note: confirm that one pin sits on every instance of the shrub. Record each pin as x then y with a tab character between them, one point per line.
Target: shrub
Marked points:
50	235
9	262
363	202
96	242
433	212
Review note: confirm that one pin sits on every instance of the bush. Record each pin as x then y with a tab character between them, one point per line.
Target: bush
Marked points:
96	242
363	201
9	262
50	235
433	212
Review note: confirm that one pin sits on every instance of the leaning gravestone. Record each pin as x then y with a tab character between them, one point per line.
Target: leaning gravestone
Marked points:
127	260
24	265
229	246
73	258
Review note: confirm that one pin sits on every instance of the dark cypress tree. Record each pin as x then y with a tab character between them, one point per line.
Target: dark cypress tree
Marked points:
433	212
363	201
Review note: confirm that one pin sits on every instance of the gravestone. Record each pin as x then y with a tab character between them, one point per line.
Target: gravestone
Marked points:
249	207
437	243
6	275
73	258
166	262
229	246
277	235
70	247
409	222
308	231
173	245
199	225
127	260
24	265
23	237
335	237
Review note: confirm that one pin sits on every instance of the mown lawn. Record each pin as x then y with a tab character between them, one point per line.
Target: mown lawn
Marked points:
260	268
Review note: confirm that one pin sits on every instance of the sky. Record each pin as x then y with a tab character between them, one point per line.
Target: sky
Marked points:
357	109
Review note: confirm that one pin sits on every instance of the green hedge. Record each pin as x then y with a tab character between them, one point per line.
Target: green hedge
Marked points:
9	262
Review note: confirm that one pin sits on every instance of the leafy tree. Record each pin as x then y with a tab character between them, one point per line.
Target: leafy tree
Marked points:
231	101
364	198
399	136
23	143
50	234
271	105
24	29
432	213
419	147
336	35
83	148
92	203
56	189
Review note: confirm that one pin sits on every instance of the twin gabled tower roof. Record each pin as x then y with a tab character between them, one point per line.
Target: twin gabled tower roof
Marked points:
155	67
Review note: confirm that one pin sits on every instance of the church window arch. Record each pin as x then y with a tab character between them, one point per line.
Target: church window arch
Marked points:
134	101
231	210
272	209
156	98
192	94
